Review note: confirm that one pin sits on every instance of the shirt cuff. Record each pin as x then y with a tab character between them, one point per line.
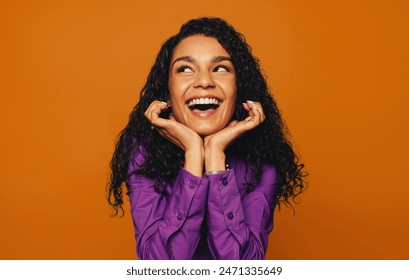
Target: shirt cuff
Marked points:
224	204
187	188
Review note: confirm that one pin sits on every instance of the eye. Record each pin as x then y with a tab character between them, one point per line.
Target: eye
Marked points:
222	68
184	69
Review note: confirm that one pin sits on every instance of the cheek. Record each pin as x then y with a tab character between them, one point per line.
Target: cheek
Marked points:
233	100
232	108
231	94
177	90
229	87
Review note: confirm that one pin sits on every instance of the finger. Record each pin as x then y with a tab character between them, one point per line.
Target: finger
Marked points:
252	105
157	106
153	112
253	108
257	106
164	123
256	111
249	118
232	123
151	106
249	107
246	106
160	122
249	110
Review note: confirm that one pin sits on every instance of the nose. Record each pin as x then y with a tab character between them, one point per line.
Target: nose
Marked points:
204	80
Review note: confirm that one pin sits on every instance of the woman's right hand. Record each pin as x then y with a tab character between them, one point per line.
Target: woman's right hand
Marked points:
179	134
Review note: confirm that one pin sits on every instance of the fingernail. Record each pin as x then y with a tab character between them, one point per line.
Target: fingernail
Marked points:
255	107
249	101
164	102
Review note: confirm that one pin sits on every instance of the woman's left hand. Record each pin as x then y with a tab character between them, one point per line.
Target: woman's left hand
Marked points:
215	144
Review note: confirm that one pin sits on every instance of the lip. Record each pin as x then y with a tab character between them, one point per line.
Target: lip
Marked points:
203	114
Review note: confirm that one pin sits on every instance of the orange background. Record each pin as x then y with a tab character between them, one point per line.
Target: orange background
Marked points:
71	72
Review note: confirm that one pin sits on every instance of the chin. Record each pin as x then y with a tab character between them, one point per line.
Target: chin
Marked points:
206	131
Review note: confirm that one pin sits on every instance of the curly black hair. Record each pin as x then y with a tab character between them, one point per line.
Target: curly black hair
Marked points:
267	143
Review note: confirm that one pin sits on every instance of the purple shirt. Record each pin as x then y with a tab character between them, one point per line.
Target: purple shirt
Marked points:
212	217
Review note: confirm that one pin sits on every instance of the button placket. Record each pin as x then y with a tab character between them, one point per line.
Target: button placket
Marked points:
230	215
179	216
191	185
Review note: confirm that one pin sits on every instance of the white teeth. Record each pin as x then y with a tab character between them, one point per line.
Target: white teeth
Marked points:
204	101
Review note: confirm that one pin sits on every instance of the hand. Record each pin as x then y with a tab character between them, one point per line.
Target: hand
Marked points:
179	134
215	144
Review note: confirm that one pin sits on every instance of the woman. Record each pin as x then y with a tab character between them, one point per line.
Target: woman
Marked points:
204	155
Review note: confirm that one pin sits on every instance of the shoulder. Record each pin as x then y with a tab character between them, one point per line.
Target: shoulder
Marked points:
137	158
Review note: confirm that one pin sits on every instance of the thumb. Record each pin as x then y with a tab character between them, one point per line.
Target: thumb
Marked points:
232	123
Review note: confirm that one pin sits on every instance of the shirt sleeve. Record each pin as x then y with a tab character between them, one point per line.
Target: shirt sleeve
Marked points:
166	226
239	225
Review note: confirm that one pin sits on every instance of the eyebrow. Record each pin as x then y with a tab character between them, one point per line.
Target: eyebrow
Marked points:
192	60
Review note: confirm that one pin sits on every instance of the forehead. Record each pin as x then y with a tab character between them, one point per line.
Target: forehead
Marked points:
199	46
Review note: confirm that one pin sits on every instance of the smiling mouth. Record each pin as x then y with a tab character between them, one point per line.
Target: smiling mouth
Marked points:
203	104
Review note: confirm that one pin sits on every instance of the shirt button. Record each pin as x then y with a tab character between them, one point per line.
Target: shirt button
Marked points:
179	216
230	216
225	181
192	185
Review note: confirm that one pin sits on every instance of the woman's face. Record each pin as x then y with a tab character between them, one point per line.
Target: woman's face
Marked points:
202	84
